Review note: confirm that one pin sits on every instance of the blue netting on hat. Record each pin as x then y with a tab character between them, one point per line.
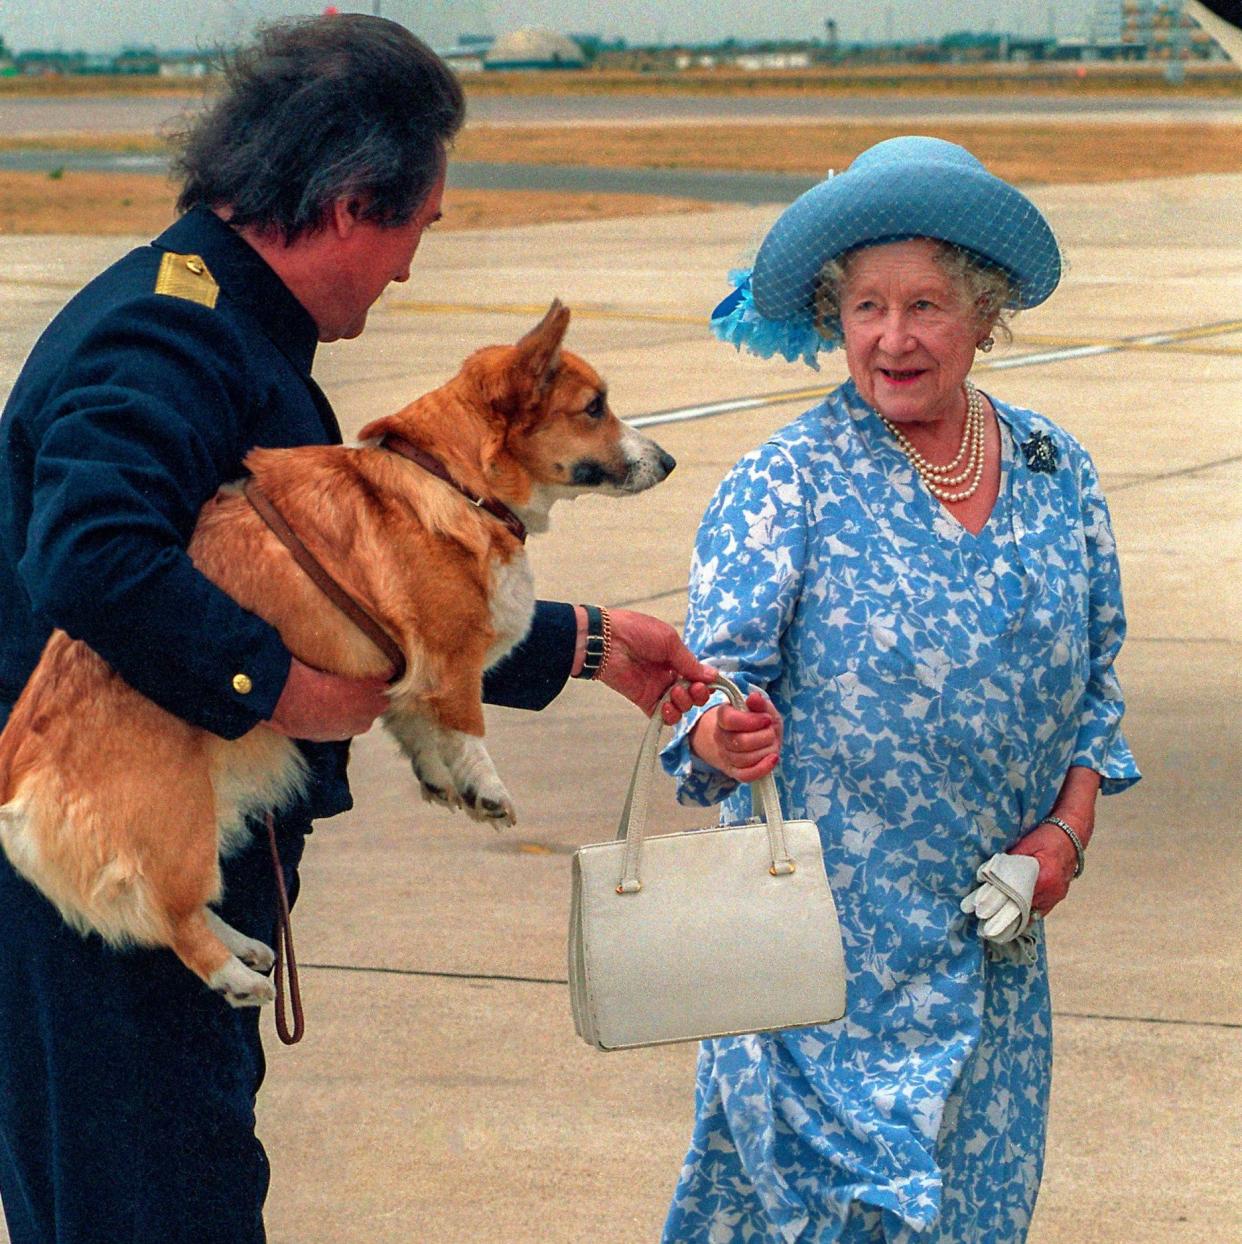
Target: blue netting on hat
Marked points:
899	189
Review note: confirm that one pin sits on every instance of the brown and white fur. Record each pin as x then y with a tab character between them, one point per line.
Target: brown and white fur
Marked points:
119	812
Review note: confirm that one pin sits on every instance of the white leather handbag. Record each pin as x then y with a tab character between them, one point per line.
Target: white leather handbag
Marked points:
706	933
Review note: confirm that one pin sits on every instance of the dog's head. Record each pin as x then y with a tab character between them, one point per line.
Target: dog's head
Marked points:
560	425
538	423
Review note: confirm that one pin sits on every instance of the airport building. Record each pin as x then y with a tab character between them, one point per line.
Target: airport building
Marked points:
1159	31
1148	30
533	47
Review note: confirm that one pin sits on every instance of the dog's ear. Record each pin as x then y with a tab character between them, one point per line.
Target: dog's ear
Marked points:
540	350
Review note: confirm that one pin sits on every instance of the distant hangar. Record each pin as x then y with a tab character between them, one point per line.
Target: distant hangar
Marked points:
534	47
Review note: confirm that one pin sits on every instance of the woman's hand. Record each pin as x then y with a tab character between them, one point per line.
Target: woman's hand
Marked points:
742	743
1057	861
324	708
682	698
1052	847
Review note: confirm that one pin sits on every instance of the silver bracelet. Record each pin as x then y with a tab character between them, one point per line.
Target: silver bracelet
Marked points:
1072	834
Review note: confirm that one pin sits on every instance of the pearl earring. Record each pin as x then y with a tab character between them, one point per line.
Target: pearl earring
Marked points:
987	343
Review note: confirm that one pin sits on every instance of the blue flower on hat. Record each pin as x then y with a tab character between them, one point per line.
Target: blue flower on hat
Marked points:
736	321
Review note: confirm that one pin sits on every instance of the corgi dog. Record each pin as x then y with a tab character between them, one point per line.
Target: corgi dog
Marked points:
119	812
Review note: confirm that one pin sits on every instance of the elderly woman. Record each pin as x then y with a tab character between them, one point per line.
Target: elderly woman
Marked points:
923	580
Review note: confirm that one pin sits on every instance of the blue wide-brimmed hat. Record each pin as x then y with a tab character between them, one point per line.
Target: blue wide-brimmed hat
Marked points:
899	189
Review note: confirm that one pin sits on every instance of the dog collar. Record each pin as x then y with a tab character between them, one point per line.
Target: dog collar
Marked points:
432	464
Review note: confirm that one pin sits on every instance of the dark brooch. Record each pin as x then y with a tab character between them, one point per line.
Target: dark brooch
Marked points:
1041	452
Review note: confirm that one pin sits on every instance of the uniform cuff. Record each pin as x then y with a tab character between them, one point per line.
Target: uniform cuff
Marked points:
249	687
535	672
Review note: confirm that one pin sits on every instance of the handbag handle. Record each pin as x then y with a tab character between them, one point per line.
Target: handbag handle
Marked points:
634	813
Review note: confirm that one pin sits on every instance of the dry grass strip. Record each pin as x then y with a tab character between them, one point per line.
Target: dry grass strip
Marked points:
140	204
495	209
998	81
1029	153
93	203
135	203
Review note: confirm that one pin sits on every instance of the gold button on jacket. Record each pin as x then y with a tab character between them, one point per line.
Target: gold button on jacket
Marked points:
242	684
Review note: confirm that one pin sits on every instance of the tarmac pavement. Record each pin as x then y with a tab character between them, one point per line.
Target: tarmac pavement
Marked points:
440	1094
30	115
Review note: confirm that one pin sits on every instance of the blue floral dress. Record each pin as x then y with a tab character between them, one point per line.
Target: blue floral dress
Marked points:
935	686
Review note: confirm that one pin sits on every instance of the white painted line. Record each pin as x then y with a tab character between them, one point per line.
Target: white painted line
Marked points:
685	413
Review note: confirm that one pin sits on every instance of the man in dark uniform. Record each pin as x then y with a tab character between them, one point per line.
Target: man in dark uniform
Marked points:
127	1088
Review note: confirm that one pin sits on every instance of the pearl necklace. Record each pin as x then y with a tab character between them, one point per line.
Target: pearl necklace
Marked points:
941	480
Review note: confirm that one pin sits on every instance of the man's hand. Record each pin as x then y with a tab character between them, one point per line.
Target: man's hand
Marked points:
742	743
647	657
326	708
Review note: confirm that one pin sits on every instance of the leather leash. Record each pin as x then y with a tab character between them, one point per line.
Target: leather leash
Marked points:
374	631
284	949
497	509
323	580
368	625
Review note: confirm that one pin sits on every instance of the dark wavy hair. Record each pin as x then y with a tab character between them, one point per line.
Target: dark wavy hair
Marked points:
341	106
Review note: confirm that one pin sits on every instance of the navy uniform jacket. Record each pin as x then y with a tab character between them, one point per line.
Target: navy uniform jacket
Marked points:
132	409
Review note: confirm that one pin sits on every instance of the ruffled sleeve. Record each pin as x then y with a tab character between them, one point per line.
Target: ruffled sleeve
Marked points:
745	580
1101	745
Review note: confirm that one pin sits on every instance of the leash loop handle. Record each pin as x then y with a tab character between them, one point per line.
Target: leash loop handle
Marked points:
284	952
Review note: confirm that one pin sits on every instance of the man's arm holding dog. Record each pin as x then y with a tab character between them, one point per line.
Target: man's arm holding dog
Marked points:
645	659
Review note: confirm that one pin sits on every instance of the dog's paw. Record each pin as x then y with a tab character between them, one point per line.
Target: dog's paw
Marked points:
435	782
492	806
254	954
238	985
440	796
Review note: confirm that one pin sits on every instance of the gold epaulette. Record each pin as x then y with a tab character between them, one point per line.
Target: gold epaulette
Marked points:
186	276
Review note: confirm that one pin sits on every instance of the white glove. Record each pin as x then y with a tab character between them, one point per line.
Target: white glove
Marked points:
1002	904
1023	949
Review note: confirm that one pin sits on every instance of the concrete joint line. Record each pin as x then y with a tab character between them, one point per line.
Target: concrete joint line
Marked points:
1178	474
560	980
1149	1019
